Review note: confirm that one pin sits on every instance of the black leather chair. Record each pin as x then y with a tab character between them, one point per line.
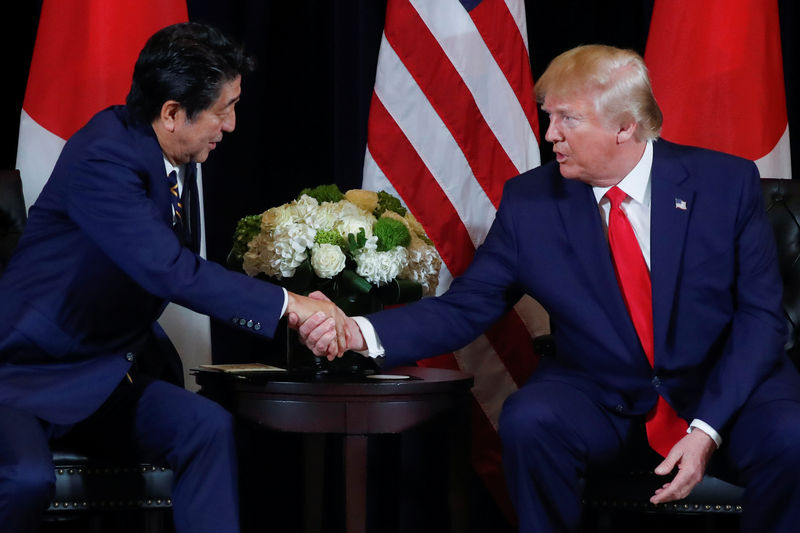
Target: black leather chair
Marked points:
630	490
86	487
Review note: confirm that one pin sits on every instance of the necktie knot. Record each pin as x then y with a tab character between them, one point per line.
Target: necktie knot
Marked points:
616	196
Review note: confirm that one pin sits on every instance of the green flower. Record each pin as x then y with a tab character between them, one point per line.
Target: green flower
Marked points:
391	233
387	202
329	237
324	193
247	228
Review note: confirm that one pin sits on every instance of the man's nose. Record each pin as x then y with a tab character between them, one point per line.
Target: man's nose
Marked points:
552	134
230	122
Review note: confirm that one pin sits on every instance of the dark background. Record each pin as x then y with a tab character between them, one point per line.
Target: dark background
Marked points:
303	115
302	119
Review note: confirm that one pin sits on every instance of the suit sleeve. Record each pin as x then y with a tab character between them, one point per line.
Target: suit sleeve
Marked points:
473	302
108	200
754	345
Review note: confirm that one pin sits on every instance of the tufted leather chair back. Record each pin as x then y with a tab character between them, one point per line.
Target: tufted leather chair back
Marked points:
12	214
782	201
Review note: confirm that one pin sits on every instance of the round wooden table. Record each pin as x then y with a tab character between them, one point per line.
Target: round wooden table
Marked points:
356	407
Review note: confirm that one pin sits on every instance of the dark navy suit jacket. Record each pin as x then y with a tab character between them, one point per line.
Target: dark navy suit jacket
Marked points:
718	324
94	268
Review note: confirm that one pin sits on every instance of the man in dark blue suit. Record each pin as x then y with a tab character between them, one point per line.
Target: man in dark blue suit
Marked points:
691	356
108	243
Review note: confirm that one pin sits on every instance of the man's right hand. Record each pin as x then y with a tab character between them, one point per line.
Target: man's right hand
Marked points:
319	332
300	309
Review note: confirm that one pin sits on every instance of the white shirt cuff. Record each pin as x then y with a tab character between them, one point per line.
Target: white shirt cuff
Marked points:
374	346
705	428
285	302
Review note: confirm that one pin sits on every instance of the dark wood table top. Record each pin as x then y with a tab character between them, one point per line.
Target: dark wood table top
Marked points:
307	403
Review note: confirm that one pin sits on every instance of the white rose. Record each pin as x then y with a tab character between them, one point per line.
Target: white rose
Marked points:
327	260
354	223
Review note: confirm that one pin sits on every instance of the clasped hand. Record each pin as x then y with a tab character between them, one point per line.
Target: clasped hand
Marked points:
322	326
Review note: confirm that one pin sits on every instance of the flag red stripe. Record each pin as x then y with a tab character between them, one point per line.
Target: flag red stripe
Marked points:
401	164
510	339
501	34
434	73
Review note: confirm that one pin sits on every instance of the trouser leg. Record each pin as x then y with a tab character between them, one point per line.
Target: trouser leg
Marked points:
763	445
551	433
27	480
160	422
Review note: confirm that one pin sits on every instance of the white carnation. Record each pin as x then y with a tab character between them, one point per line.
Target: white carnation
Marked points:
305	205
381	267
323	217
327	260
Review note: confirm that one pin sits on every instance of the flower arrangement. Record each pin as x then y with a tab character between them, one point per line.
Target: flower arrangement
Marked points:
356	246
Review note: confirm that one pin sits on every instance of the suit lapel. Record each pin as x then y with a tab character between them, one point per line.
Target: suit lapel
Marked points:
153	161
581	219
671	206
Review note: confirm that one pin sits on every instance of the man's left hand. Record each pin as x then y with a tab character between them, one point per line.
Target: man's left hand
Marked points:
691	455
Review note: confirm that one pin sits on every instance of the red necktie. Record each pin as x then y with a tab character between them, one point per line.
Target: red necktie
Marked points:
664	426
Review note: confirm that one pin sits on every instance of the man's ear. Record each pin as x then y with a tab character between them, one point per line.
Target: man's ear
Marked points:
171	114
626	132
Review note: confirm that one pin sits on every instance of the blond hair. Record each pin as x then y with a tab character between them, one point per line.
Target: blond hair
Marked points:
616	79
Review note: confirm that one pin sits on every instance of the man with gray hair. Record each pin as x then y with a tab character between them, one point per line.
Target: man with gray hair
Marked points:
657	265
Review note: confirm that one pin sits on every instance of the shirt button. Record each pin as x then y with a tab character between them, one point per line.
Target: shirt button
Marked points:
656	381
130	357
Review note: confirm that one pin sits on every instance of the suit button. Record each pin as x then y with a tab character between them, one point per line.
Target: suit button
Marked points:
242	321
257	326
235	320
249	323
619	408
130	357
656	381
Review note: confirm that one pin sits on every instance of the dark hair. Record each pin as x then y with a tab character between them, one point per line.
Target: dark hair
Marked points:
187	62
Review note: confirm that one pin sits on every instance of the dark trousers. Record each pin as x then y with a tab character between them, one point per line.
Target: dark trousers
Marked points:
553	433
147	419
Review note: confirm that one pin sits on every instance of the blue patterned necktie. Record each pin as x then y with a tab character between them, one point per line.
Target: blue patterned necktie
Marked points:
177	206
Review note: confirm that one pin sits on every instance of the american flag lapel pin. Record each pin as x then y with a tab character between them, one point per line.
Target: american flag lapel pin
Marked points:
680	204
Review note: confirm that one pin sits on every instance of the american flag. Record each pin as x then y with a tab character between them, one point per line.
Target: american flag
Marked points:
453	116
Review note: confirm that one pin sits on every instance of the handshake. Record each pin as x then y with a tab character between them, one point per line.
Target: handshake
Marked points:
322	326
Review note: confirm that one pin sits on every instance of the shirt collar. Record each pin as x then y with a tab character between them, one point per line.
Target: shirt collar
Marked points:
170	167
637	183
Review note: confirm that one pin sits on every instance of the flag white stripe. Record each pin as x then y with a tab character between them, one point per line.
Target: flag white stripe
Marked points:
778	162
455	31
517	10
37	153
430	138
